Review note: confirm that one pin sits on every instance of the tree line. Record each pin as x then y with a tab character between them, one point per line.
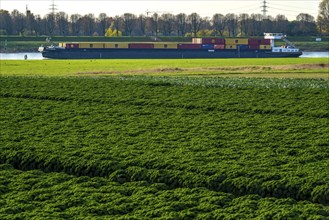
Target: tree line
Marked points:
231	25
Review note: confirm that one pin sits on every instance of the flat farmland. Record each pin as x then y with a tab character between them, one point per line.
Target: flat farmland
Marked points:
276	67
171	141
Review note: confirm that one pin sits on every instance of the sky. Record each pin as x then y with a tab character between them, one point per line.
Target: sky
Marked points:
289	8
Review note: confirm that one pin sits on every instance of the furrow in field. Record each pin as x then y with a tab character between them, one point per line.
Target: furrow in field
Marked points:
189	106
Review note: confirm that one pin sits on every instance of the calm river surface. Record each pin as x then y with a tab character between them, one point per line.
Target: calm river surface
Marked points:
38	56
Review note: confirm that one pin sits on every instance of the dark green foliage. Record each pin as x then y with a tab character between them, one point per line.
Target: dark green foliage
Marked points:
172	148
61	196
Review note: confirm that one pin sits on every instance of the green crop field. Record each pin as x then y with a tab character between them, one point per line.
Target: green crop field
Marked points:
164	139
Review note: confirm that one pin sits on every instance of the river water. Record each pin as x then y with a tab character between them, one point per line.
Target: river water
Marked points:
315	55
38	56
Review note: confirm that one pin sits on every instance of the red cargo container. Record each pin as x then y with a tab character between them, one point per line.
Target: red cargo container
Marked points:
141	46
219	46
265	42
254	41
189	46
207	41
213	41
219	41
255	47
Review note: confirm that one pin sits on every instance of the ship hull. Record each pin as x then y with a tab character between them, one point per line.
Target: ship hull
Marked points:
61	53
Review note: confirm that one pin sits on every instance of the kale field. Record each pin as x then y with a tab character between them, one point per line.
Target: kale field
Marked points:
166	147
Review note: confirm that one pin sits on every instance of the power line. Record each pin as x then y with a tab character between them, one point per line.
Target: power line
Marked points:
286	10
264	9
285	13
290	6
251	10
240	9
292	15
53	7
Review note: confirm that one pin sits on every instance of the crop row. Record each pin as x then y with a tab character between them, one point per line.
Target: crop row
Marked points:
34	194
269	142
240	94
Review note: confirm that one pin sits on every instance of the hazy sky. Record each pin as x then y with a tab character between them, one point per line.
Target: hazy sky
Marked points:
289	8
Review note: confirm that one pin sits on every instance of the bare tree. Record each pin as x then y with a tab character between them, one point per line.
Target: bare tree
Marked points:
323	17
205	24
128	22
37	25
87	24
305	24
218	23
19	23
281	24
243	24
181	23
75	24
194	21
254	24
231	24
117	21
62	23
155	24
104	22
30	20
167	23
6	22
267	24
50	23
142	24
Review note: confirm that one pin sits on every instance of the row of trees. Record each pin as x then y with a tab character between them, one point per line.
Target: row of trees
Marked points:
61	24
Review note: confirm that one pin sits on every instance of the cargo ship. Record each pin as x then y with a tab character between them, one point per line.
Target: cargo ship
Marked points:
198	48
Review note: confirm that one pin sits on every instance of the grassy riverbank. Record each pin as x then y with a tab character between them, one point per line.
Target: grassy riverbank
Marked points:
280	67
